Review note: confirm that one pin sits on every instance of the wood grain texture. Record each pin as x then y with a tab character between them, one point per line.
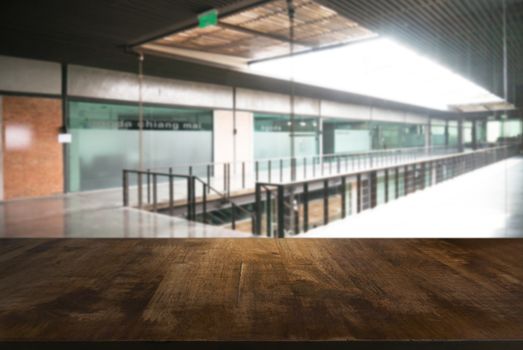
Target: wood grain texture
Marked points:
260	289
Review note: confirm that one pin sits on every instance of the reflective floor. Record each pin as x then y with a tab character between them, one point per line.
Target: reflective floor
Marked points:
485	203
97	214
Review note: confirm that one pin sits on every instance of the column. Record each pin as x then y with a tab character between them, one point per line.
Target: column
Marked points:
474	135
460	135
446	133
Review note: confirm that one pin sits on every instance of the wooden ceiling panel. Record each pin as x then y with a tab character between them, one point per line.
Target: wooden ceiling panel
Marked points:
263	31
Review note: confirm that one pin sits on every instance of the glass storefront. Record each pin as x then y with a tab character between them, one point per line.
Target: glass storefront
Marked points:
481	132
453	133
504	130
105	140
437	130
467	134
272	136
343	136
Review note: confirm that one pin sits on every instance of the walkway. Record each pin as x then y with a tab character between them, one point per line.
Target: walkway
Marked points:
485	203
97	214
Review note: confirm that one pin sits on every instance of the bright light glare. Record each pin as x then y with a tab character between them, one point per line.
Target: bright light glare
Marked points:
381	68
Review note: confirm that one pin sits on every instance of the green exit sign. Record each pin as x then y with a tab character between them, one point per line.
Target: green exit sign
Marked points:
207	19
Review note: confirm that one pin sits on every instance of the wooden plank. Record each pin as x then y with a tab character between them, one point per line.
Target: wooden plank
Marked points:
260	289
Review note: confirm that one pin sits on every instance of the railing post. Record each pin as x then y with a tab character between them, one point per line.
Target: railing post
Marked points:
148	186
204	203
396	182
268	212
406	180
233	215
193	192
258	209
305	207
189	200
326	202
373	181
125	186
155	193
386	185
295	214
358	193
209	177
425	170
140	199
269	167
228	180
257	170
281	212
343	197
171	192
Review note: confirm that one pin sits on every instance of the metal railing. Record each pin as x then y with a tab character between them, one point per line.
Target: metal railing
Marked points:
297	206
179	191
229	177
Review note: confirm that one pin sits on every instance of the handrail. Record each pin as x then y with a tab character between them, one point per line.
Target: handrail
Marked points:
279	186
226	198
415	175
190	195
246	173
364	171
328	155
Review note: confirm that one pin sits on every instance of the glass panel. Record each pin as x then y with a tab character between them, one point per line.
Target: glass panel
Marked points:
453	133
381	188
272	136
105	140
467	133
493	131
345	136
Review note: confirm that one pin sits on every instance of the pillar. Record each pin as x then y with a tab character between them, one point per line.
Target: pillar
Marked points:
474	135
460	135
446	133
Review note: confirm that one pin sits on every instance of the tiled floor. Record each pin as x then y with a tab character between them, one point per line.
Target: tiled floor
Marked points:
485	203
97	214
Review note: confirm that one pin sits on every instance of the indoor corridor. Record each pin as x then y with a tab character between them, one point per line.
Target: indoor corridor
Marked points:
487	202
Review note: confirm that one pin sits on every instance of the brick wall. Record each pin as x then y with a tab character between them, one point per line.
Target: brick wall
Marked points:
33	160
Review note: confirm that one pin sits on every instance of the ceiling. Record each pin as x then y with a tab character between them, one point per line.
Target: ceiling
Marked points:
465	35
262	32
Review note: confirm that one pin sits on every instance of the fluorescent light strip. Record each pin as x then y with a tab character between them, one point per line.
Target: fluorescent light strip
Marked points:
381	68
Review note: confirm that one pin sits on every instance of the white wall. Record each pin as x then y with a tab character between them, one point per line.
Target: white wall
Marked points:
360	112
30	76
344	110
106	84
260	101
33	76
224	144
244	136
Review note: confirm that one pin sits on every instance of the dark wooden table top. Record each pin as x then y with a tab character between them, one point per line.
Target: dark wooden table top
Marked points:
260	289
